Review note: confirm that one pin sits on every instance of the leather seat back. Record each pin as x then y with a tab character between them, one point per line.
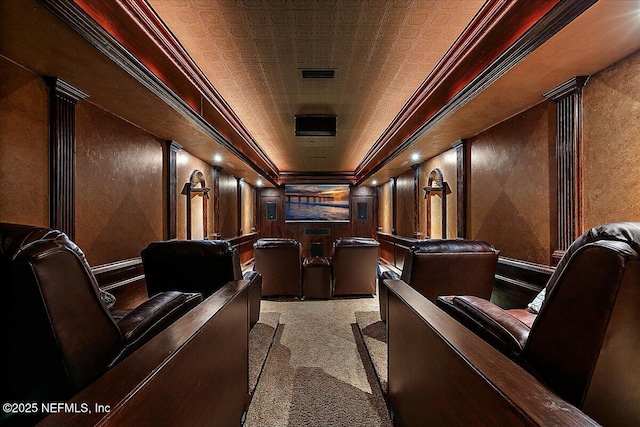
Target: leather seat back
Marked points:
202	266
279	260
49	284
355	266
586	330
443	267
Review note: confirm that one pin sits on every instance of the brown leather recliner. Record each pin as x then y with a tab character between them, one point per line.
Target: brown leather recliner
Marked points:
440	267
279	260
59	336
202	266
354	262
585	340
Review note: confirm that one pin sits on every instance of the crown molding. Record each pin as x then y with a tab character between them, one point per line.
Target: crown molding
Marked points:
499	36
133	37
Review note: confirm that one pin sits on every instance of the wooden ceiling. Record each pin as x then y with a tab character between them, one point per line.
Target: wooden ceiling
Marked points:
223	77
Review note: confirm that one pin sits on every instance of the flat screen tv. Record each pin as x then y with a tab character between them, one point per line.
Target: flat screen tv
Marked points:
316	202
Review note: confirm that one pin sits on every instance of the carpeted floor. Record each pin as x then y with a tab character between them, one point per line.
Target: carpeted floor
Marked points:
318	372
374	333
260	341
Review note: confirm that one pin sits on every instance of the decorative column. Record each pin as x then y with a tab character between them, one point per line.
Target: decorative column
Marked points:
394	203
239	182
170	161
462	173
416	201
62	154
568	99
216	202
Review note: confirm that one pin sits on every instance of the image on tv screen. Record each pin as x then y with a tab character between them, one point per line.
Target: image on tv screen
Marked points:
306	202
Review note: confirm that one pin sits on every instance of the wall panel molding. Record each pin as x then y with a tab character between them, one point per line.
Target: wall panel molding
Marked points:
62	158
568	99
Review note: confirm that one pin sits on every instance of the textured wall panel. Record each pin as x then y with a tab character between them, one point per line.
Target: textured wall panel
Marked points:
611	152
24	146
248	207
118	186
513	185
446	162
405	208
228	206
385	207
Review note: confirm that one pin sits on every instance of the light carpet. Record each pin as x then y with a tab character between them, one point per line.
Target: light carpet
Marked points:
317	371
374	334
260	341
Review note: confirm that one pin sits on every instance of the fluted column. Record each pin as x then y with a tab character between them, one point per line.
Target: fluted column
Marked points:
568	99
461	187
171	167
62	154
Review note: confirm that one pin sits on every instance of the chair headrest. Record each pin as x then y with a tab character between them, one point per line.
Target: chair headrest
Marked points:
452	246
275	242
625	232
189	248
14	238
355	241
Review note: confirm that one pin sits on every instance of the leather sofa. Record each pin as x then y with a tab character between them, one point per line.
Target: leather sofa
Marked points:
584	341
441	267
354	262
202	266
59	334
279	260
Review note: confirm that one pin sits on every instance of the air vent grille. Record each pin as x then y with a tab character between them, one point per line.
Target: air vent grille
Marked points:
318	74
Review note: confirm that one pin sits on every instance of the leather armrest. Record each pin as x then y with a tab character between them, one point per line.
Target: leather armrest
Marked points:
382	291
255	295
389	274
152	316
492	323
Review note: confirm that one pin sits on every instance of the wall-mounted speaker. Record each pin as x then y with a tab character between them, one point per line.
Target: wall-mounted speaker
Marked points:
362	210
271	211
315	125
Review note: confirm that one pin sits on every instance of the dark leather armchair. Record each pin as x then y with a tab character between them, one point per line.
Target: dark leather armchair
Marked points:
441	267
584	342
355	266
279	261
202	266
59	336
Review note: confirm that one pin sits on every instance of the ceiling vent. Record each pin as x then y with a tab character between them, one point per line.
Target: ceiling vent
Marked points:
318	74
315	125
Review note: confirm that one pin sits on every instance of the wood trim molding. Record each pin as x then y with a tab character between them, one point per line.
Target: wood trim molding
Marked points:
568	99
118	274
171	155
134	38
501	34
462	176
62	154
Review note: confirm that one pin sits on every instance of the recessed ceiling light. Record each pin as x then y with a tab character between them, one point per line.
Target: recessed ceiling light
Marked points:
217	158
374	182
259	183
415	156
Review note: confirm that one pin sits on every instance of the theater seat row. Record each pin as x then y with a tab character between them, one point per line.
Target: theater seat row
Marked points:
352	268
